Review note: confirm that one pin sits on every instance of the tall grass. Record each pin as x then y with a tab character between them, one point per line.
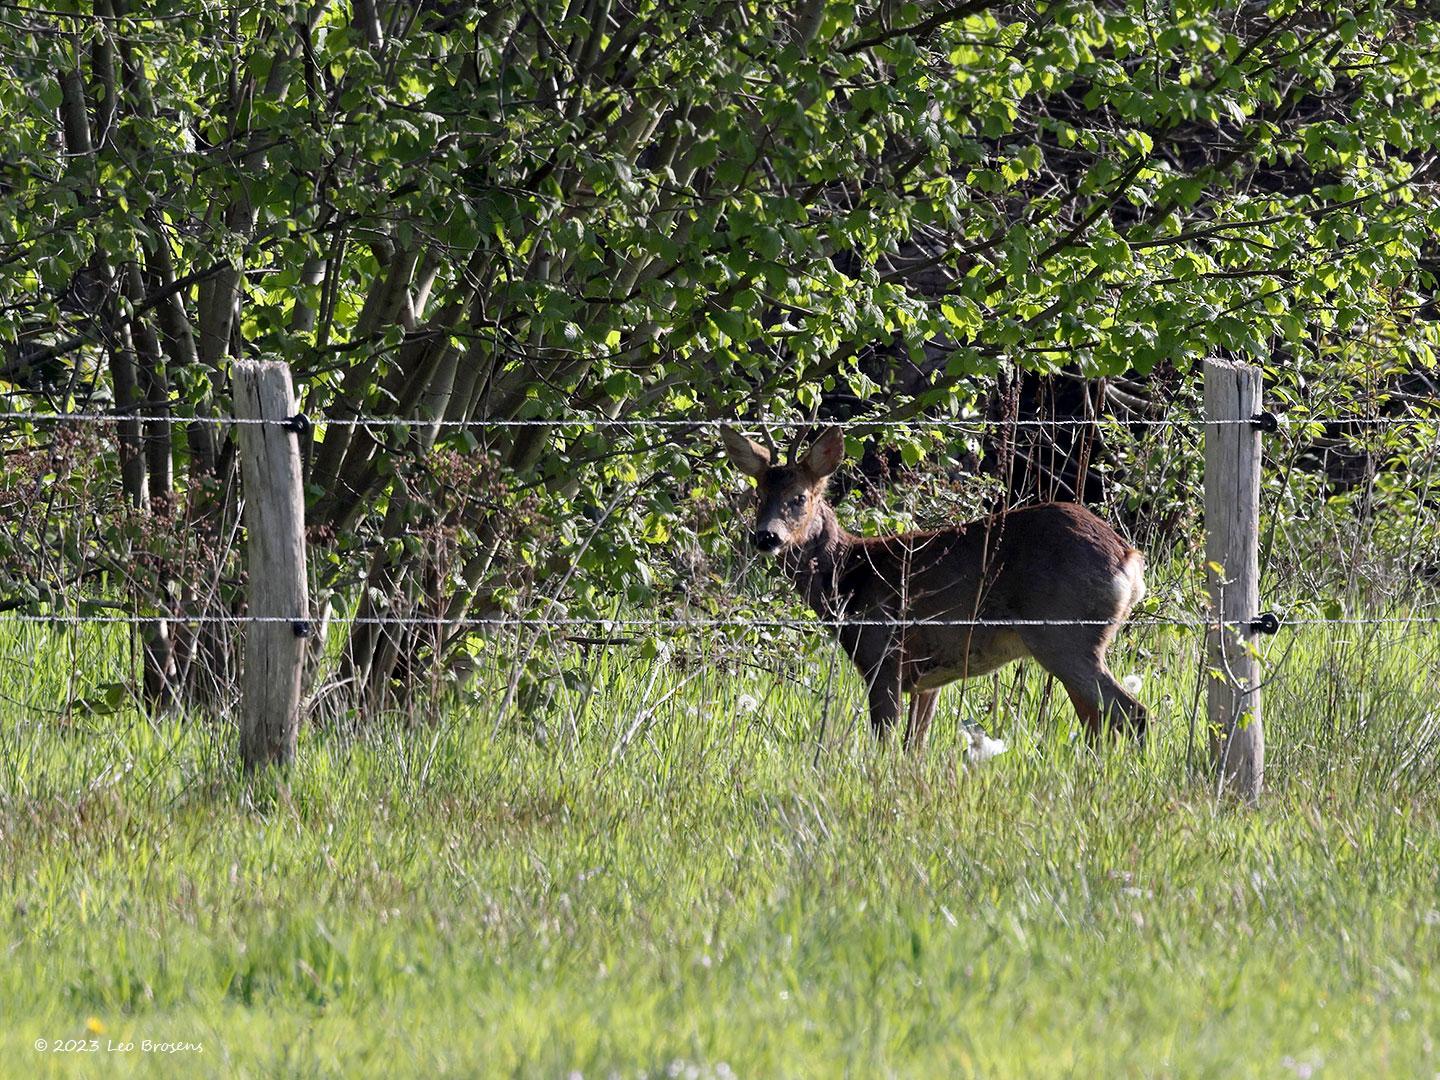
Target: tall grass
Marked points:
664	869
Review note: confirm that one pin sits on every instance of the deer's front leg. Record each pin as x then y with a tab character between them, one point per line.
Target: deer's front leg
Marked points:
877	655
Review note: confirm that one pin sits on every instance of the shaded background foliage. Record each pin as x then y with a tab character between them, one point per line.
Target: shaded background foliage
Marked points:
579	209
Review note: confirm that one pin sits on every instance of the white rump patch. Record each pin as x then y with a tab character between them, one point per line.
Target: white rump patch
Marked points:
1130	582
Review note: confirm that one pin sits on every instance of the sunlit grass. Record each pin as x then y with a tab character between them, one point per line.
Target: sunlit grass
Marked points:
698	884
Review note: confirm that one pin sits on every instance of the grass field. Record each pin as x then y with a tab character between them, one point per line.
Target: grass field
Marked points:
703	901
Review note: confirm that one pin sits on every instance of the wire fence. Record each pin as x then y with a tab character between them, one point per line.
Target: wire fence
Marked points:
710	423
1268	421
676	623
595	621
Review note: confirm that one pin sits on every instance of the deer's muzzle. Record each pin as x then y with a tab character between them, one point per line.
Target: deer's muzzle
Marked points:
766	541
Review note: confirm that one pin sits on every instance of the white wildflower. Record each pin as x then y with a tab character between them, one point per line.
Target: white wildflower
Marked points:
1133	683
982	748
746	703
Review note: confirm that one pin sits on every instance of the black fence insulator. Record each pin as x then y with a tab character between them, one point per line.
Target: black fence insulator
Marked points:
1265	623
1266	421
299	424
301	628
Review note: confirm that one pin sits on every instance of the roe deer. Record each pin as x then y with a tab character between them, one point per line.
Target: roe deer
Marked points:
1055	562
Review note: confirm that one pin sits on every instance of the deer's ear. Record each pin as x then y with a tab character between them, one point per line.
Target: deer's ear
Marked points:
745	454
826	453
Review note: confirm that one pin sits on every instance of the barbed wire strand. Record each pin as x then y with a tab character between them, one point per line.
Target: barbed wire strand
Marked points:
699	422
683	623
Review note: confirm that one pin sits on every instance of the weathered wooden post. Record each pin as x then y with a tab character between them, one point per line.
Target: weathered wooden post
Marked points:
275	546
1233	394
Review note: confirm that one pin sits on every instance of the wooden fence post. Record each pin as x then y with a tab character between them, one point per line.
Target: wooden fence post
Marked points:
275	547
1233	394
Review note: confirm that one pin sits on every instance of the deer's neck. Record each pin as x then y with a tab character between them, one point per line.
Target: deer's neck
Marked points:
816	566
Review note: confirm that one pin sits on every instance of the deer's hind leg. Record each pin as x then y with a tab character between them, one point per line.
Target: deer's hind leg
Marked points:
922	711
1087	708
1076	656
1102	702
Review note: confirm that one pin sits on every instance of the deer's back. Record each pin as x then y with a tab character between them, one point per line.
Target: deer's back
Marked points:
1051	561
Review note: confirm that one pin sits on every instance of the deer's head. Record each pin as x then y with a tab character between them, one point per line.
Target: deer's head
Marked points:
789	495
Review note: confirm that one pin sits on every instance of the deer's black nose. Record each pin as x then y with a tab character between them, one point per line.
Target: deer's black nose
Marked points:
765	540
